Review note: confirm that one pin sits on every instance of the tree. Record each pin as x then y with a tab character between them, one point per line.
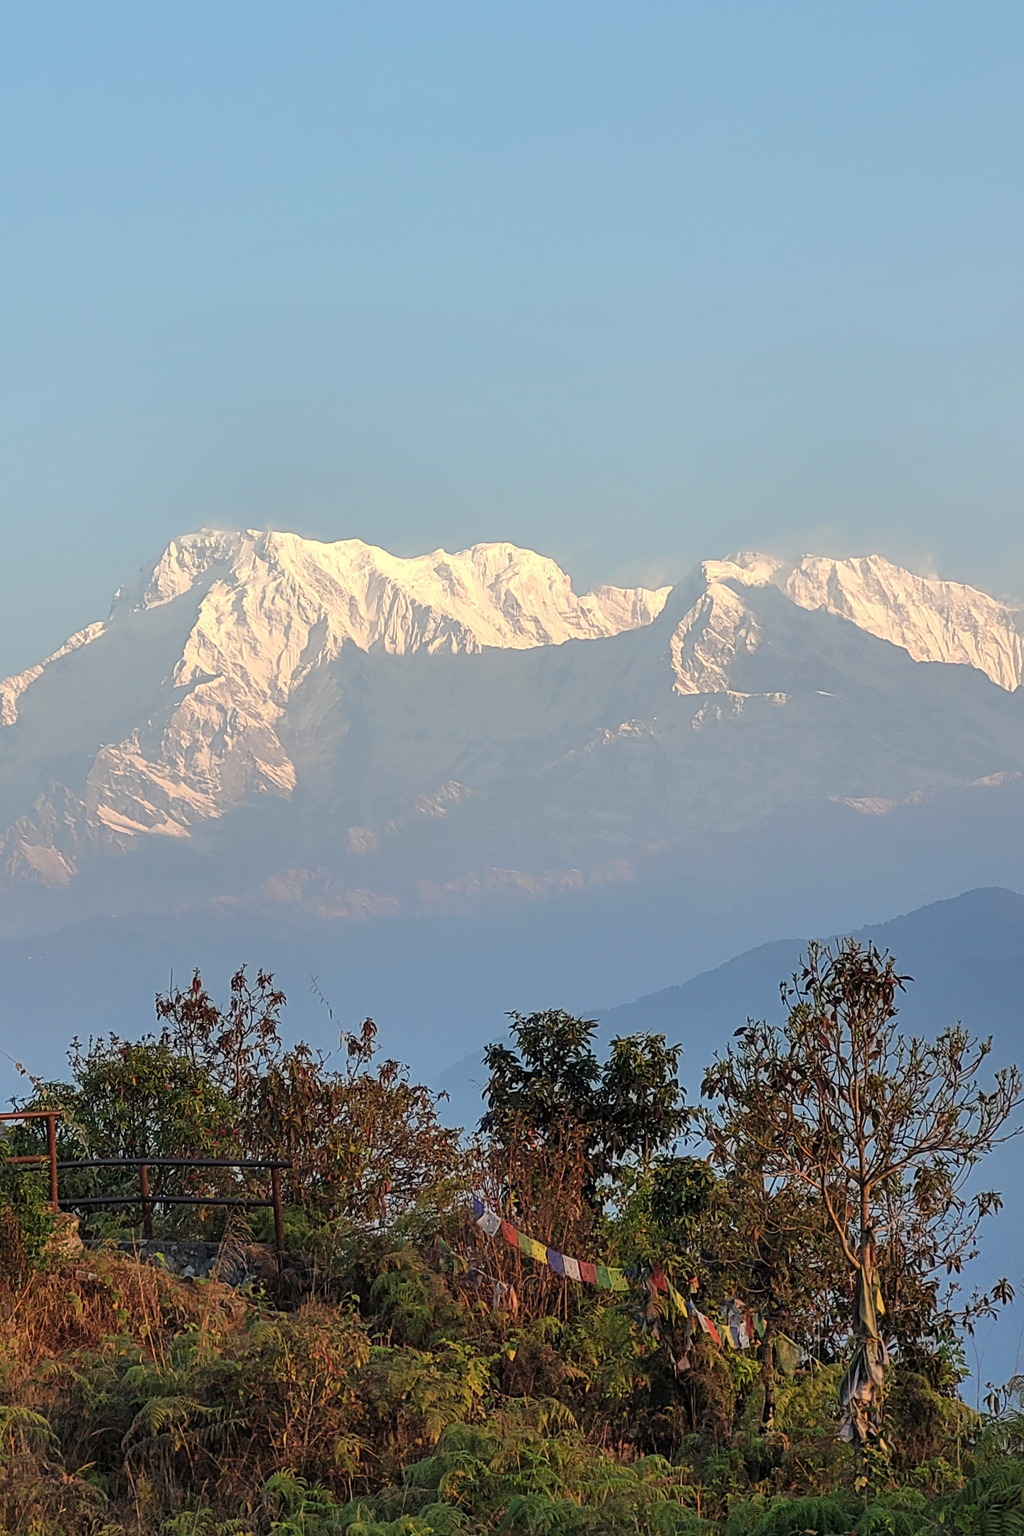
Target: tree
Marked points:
628	1108
879	1132
365	1142
764	1239
184	1092
220	1082
567	1133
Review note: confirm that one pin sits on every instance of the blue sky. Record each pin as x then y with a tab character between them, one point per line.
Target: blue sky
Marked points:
633	284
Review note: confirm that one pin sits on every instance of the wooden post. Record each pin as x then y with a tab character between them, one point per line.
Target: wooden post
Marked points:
147	1209
51	1150
275	1191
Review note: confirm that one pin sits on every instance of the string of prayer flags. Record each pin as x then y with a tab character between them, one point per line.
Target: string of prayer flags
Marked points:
605	1277
739	1326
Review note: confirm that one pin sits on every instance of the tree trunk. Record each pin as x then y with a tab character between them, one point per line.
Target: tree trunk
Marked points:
768	1378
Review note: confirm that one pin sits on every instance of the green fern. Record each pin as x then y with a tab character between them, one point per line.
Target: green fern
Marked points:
829	1516
991	1504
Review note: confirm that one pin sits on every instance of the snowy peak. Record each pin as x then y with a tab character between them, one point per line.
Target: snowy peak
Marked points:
271	606
226	626
932	620
491	594
11	688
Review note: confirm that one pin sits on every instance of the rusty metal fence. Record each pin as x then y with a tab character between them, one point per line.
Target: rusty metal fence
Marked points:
146	1198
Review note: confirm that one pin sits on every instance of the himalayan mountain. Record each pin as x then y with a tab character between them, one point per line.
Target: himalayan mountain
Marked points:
448	785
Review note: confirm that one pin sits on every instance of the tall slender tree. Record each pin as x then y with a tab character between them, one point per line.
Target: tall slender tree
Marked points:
880	1131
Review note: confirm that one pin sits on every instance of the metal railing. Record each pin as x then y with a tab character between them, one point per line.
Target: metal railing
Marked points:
147	1198
51	1116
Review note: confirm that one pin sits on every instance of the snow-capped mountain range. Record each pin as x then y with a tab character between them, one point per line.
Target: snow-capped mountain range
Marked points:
332	726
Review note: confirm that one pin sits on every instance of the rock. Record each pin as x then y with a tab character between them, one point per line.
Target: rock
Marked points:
64	1241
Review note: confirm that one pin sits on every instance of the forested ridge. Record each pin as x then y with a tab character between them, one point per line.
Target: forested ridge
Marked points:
605	1309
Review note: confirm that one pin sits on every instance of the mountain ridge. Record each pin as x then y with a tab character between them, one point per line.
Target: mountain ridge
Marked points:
963	957
457	724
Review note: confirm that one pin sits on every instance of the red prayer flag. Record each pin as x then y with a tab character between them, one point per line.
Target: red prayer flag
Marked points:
510	1234
708	1326
658	1279
588	1273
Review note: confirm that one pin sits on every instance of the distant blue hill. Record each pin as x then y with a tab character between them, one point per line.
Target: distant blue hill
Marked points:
966	956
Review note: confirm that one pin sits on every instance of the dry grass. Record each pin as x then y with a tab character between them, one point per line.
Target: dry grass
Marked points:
56	1329
86	1300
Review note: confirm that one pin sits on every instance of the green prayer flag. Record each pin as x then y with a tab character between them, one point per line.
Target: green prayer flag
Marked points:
448	1257
787	1355
604	1279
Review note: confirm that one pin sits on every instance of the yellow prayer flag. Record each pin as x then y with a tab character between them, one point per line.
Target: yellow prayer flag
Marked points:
678	1302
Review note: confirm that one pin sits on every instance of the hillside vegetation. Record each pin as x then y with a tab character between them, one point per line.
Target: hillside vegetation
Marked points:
764	1338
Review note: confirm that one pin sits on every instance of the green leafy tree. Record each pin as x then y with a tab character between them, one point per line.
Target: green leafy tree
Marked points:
571	1137
26	1220
184	1092
626	1109
765	1241
662	1212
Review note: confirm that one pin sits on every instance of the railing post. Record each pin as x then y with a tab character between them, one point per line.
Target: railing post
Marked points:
147	1209
51	1150
275	1193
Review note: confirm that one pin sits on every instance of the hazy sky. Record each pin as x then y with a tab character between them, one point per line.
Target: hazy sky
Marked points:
629	283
